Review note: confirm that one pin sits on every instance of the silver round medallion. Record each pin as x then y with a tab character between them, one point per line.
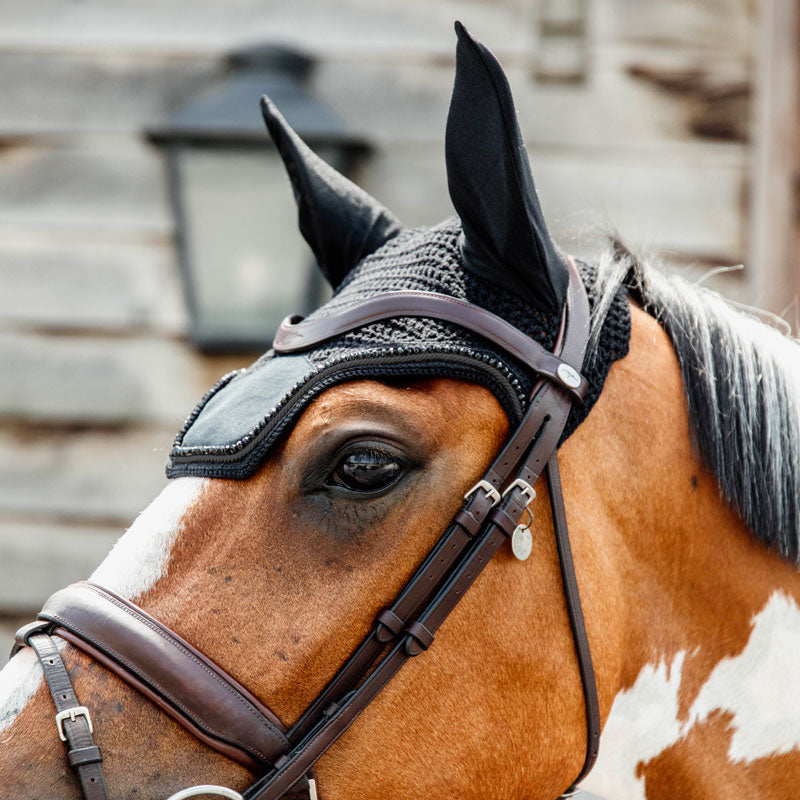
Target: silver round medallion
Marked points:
568	376
521	542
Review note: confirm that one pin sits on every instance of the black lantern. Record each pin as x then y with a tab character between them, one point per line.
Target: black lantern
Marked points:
244	264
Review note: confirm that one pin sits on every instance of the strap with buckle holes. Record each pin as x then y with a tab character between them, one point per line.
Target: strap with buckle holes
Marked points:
73	722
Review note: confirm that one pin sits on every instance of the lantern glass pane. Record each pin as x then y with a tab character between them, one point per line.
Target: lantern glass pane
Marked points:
246	262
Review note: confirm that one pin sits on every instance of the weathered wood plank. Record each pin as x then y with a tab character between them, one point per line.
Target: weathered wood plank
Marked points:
90	92
79	474
78	379
94	185
687	208
775	207
123	287
39	558
352	27
723	25
386	103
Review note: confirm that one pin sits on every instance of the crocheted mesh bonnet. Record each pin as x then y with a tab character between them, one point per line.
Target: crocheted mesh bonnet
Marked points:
497	255
231	431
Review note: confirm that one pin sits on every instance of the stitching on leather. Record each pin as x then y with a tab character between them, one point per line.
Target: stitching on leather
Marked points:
546	391
527	350
166	636
147	679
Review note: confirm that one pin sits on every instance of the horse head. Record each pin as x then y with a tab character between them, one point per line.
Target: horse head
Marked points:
327	502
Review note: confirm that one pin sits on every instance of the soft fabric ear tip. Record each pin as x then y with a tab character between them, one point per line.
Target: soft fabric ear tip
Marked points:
463	34
268	109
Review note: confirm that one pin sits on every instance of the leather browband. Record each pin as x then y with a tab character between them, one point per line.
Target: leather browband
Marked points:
296	334
223	714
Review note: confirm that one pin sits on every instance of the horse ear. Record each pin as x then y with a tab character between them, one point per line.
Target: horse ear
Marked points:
339	220
505	237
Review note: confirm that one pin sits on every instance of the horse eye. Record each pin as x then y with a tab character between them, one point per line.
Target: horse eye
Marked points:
365	470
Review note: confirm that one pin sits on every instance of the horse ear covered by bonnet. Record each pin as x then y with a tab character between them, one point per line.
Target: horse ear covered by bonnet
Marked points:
498	254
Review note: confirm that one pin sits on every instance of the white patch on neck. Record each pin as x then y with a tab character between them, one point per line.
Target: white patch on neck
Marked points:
759	687
643	722
135	564
140	558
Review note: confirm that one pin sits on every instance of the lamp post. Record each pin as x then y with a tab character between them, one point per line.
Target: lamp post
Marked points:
243	263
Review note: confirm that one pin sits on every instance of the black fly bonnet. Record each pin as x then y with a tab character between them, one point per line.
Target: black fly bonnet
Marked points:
498	255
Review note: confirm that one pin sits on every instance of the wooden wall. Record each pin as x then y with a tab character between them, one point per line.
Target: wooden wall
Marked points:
637	115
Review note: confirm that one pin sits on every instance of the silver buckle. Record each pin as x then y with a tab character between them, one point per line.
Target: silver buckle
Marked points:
72	713
526	488
487	487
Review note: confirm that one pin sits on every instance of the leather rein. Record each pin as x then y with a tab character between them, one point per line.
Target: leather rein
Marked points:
223	714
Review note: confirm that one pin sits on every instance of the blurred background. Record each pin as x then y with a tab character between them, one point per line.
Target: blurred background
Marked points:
148	239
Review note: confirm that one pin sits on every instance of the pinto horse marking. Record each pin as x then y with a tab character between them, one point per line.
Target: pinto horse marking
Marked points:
748	689
140	557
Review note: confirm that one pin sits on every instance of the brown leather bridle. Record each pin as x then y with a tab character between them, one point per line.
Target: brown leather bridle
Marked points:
224	715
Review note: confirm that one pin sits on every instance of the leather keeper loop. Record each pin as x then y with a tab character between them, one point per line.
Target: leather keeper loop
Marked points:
84	755
21	636
503	521
471	525
390	626
420	634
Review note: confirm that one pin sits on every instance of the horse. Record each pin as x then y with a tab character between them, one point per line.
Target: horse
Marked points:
306	491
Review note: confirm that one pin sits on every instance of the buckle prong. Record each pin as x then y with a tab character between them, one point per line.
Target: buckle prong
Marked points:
71	714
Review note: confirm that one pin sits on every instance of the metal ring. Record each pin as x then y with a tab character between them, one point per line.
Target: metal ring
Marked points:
530	518
193	791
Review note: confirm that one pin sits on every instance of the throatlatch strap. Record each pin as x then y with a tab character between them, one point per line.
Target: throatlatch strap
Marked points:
73	720
577	623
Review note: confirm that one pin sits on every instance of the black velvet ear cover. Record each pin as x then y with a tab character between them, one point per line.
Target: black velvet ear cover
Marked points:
505	237
339	220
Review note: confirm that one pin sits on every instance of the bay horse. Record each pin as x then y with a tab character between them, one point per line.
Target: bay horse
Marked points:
272	554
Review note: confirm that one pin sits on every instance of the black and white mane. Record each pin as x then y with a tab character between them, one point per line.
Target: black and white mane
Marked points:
742	384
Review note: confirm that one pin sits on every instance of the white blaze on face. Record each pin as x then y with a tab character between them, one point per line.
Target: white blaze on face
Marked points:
758	687
140	558
19	680
135	564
